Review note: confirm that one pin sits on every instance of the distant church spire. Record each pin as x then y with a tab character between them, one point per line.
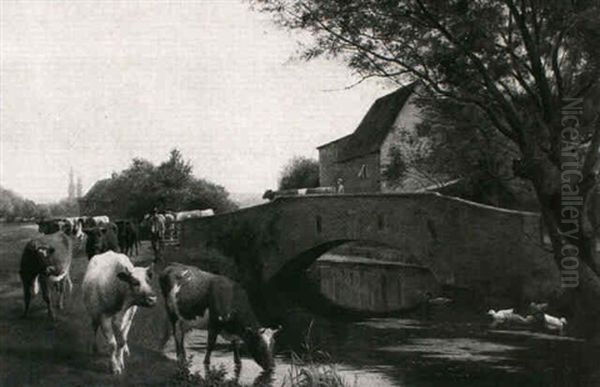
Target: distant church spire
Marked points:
71	185
79	187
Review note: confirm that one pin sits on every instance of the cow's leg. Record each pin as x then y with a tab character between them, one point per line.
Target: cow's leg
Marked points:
154	243
47	295
69	283
95	325
126	325
28	284
60	286
210	343
121	341
235	344
178	336
107	329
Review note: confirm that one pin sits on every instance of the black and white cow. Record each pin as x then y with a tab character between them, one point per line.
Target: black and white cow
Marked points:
189	292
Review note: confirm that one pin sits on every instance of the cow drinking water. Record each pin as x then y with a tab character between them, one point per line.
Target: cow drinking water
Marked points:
189	292
46	263
112	290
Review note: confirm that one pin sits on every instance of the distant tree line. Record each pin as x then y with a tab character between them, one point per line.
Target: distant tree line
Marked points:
135	191
13	207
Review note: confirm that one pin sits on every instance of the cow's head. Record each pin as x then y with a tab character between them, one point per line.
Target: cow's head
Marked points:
138	281
95	240
260	344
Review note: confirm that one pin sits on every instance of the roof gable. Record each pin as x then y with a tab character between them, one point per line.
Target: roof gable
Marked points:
375	125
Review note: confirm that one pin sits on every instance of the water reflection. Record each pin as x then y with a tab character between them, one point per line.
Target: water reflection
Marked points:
412	352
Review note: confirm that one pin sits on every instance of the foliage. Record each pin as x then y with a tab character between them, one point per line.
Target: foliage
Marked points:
171	185
300	172
14	207
520	66
396	170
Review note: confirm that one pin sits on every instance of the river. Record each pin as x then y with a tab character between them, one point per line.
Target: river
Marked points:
442	350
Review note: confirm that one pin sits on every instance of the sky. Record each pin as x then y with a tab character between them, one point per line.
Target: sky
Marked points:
89	85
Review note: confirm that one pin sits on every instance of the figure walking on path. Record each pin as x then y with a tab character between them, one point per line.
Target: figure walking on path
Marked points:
157	233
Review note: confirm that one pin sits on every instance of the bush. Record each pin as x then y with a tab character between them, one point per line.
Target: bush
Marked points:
300	172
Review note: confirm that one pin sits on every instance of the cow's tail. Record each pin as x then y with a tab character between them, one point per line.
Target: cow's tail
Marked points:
35	286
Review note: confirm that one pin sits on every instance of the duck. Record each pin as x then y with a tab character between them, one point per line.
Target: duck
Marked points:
555	324
508	316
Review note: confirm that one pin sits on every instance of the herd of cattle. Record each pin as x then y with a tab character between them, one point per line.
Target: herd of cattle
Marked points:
113	288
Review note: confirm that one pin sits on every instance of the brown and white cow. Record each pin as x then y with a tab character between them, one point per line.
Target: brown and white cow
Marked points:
46	263
112	290
189	292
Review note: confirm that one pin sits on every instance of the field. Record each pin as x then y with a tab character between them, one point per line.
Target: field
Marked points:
36	351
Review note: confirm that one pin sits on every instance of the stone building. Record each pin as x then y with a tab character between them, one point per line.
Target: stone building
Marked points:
361	157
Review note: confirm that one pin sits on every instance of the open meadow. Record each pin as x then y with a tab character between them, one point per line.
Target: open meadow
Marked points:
36	351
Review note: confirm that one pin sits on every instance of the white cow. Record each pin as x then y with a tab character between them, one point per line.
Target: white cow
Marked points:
112	290
183	215
101	219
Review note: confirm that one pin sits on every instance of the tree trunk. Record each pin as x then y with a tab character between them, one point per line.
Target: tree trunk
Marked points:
574	245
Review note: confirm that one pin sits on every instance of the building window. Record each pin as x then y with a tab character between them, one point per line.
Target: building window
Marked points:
362	173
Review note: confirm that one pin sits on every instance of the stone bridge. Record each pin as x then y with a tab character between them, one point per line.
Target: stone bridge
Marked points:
464	244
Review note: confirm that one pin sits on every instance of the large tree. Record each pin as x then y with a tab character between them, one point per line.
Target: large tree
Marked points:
530	69
171	185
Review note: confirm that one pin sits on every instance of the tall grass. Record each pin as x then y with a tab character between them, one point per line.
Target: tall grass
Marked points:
214	377
313	367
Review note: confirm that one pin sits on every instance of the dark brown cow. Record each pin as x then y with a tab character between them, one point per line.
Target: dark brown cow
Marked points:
45	262
128	236
101	239
50	226
189	292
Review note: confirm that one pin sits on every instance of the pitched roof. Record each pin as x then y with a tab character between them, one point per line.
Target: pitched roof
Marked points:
374	127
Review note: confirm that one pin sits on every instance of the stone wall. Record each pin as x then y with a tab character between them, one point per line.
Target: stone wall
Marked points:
375	287
330	170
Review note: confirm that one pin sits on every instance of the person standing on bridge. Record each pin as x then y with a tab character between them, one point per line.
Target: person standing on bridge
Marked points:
340	185
157	233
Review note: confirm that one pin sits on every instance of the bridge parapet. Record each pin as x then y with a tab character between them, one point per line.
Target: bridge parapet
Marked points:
462	243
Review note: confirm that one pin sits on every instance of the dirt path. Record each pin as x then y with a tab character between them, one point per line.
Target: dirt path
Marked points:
35	351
